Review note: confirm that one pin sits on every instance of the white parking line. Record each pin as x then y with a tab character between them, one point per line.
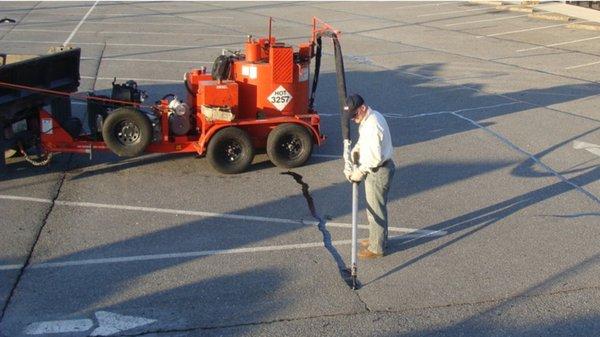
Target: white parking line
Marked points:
124	32
80	23
523	30
427	114
453	12
154	257
531	156
117	59
19	198
11	267
591	148
451	112
206	214
488	20
426	5
119	44
100	16
164	25
583	65
144	16
558	44
137	79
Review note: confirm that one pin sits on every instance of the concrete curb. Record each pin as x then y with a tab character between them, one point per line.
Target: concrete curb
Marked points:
484	2
550	16
515	8
549	11
576	12
585	25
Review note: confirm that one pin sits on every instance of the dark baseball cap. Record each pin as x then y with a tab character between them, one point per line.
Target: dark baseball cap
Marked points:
353	102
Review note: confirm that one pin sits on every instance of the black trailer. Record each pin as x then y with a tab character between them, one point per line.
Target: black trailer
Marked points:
19	109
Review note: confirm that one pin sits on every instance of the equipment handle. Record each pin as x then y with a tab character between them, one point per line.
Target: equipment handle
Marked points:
354	267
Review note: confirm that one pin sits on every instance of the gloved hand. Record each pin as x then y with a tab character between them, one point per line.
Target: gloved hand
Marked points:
346	150
347	159
356	176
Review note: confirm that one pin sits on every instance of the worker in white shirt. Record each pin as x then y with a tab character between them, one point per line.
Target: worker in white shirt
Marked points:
376	167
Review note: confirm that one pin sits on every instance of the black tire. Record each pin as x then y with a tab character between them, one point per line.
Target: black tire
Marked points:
127	132
289	145
230	150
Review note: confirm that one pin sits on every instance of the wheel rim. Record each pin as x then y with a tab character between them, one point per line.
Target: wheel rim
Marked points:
127	132
231	151
290	147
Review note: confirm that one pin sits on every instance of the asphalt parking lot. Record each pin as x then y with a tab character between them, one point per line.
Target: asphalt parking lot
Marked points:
495	204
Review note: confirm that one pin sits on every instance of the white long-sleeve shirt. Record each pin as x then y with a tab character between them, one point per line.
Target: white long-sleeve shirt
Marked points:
374	141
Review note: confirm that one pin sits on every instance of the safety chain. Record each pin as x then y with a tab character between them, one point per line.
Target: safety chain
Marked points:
46	157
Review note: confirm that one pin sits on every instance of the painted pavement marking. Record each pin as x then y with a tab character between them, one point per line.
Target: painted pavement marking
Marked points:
79	24
426	5
108	324
195	254
125	32
487	20
524	30
453	12
64	326
583	65
589	147
558	44
200	213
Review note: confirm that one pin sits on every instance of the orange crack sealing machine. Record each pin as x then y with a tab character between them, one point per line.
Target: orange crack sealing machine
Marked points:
260	99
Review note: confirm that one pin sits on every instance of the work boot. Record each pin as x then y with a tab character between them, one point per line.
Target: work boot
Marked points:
364	243
366	254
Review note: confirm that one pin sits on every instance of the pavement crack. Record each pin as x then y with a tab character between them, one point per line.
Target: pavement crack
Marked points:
342	268
367	309
35	241
247	324
15	24
358	313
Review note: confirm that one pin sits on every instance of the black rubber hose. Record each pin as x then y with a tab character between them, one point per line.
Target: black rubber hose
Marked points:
341	87
318	54
187	87
221	67
340	79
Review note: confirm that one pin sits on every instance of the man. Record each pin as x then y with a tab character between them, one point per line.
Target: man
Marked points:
375	166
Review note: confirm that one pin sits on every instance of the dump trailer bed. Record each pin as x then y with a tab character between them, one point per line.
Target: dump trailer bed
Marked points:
57	71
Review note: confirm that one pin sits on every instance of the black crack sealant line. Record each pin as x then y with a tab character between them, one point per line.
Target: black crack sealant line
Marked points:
343	269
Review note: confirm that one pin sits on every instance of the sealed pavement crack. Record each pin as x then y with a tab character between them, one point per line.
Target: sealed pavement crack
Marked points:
35	241
217	327
343	270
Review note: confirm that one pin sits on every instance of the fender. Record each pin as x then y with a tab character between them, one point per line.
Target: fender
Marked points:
318	138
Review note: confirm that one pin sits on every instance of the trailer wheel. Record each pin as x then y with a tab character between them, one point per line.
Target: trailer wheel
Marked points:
127	132
230	150
289	145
